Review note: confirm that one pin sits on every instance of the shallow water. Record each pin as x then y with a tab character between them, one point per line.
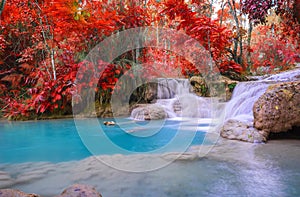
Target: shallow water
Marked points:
231	169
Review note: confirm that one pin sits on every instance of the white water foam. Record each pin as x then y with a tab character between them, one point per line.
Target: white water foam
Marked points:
245	94
175	97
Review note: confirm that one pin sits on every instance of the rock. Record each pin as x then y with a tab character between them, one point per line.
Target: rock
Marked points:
234	76
15	193
238	130
217	86
149	112
278	109
104	111
229	86
150	93
146	93
78	190
110	111
109	123
199	86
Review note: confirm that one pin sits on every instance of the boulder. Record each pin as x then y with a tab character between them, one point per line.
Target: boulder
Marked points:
146	93
15	193
239	130
149	112
218	84
109	123
199	86
278	109
78	190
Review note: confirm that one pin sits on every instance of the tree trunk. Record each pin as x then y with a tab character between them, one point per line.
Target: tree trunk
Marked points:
249	62
222	8
2	6
238	39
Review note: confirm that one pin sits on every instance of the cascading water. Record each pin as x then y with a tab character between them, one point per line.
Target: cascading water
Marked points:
175	98
243	98
246	93
167	88
292	75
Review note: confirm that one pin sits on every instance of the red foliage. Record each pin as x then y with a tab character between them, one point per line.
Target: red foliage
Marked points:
43	43
272	53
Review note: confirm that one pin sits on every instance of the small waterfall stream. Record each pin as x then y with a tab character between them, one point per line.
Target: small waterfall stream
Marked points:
177	100
168	88
175	97
246	93
243	98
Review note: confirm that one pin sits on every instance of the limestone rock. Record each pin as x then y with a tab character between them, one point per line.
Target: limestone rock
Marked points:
78	190
229	86
150	94
199	86
149	112
234	76
146	93
244	131
218	84
278	109
15	193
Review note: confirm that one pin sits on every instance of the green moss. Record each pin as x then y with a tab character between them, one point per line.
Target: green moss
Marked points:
231	86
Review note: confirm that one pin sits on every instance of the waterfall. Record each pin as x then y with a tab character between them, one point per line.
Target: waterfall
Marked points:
245	94
175	98
167	88
243	98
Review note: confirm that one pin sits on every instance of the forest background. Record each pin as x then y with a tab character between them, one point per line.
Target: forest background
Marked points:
43	43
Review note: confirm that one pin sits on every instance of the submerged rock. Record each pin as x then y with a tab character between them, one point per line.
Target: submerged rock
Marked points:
278	109
78	190
244	131
15	193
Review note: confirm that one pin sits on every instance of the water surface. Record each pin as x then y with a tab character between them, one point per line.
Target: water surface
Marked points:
58	140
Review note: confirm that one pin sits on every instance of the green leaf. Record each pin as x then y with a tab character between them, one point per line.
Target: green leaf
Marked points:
76	17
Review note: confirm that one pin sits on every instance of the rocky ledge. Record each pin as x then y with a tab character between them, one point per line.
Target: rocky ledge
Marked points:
76	190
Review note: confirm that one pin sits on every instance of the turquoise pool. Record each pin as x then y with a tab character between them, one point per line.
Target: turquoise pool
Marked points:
59	140
31	155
